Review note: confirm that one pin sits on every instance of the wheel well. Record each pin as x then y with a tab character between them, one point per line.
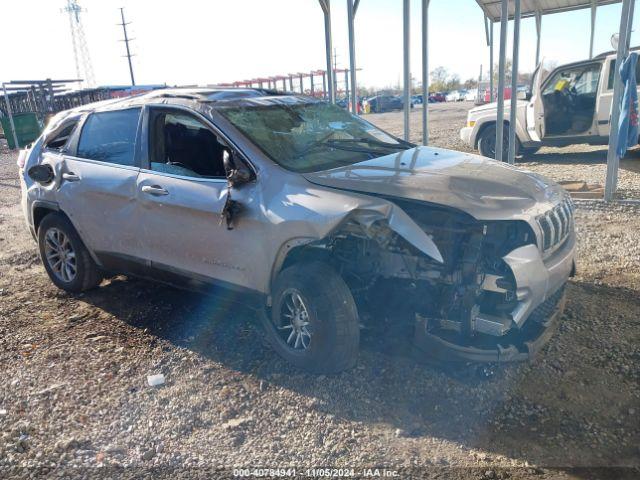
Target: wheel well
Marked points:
304	253
487	125
301	253
39	213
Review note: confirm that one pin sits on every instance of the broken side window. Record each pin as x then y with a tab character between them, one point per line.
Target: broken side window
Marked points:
59	139
181	144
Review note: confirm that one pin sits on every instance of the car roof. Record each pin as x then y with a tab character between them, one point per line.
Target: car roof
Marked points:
612	53
196	97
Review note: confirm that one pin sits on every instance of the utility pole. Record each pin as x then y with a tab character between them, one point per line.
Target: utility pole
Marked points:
335	67
126	42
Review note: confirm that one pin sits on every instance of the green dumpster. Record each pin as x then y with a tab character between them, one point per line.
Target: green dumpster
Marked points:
28	128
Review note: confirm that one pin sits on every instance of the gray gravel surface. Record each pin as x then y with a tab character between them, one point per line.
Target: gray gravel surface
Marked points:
74	398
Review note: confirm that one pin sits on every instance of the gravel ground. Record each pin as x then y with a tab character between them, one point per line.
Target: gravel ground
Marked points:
74	398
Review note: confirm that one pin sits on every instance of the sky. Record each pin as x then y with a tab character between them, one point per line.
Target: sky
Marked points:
213	41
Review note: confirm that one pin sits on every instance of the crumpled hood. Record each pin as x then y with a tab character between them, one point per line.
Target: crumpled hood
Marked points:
483	188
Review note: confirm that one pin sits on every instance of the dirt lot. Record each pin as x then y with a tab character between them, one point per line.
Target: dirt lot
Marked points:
74	397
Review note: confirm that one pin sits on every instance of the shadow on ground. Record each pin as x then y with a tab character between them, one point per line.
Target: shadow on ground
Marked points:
522	411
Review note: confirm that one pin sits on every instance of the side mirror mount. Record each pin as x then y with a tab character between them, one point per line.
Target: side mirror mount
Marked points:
236	174
42	173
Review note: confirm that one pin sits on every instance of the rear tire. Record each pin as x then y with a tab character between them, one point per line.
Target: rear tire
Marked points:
313	323
65	258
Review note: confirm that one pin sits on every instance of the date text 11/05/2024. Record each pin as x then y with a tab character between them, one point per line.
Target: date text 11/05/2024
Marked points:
316	472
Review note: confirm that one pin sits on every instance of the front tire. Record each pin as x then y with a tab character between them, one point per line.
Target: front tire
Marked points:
313	323
487	142
65	258
528	151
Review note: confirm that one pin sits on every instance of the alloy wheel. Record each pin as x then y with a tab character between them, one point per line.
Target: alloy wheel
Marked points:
60	255
294	327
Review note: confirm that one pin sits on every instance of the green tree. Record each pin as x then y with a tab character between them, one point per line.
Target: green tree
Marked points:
470	83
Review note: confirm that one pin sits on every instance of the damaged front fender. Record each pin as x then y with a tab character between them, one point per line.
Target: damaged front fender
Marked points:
403	225
322	219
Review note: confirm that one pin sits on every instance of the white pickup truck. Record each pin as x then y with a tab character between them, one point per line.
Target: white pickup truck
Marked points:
567	105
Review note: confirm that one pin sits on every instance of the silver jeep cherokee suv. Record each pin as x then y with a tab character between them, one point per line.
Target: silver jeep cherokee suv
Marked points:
314	215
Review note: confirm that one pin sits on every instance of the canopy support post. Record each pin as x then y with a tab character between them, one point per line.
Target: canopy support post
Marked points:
514	84
326	9
406	67
425	72
491	95
346	83
504	14
593	27
10	115
538	32
613	160
351	12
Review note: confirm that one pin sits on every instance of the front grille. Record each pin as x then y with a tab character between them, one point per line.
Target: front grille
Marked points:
556	225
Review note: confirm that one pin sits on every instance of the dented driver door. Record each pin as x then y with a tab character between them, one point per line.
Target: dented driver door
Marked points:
182	194
184	232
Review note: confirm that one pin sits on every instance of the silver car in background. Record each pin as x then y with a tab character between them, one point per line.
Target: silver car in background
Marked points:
307	213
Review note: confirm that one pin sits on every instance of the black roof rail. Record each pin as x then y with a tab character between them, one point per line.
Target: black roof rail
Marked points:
188	96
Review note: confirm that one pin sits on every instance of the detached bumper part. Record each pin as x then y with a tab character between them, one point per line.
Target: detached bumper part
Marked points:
520	345
537	278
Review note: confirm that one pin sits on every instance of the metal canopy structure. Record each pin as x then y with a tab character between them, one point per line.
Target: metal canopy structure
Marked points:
530	8
352	9
494	10
504	10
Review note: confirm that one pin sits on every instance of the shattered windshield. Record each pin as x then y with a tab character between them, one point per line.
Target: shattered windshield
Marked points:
309	137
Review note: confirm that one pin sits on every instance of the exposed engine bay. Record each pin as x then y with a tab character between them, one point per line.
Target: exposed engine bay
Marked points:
467	299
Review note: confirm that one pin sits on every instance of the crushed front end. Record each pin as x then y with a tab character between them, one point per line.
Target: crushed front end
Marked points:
495	297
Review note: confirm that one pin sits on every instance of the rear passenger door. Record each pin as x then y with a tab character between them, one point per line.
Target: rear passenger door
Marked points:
98	186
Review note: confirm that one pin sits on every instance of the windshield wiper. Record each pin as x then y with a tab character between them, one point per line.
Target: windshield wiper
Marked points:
401	144
351	145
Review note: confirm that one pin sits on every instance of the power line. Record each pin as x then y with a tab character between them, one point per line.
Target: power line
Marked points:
126	42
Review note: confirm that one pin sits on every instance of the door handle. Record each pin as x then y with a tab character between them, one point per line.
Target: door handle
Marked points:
70	177
156	190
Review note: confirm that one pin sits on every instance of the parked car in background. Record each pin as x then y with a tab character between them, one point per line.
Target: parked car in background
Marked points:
471	95
567	105
487	94
456	96
417	99
306	213
385	103
346	103
437	97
